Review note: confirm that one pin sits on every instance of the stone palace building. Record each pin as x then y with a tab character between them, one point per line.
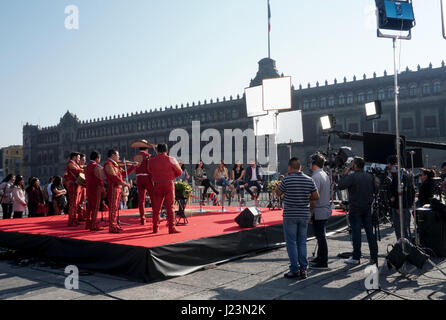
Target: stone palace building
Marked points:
422	117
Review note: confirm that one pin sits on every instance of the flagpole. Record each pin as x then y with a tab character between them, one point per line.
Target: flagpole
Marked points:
269	30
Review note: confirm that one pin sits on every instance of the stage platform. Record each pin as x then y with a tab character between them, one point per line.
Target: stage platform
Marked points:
209	238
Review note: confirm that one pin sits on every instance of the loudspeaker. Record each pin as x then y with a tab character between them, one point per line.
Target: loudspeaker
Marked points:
417	158
379	146
395	15
432	230
249	218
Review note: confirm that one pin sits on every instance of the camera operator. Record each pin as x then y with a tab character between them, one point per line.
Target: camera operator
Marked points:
426	189
408	197
320	210
361	190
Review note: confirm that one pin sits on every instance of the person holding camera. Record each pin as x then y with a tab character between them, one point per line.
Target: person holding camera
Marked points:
320	210
361	188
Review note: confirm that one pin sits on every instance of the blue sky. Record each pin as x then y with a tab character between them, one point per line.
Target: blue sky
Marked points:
140	54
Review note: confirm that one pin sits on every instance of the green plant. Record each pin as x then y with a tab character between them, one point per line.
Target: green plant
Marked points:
272	185
182	189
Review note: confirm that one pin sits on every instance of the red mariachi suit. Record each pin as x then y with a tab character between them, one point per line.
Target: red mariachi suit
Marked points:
94	177
164	170
143	181
115	181
72	171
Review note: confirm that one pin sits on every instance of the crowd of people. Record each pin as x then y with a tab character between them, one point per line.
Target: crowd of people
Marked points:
87	188
308	199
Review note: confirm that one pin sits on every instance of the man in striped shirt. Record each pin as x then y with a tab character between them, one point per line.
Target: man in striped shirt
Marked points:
298	190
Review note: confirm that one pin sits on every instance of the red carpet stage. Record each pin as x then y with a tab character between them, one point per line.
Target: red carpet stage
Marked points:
210	237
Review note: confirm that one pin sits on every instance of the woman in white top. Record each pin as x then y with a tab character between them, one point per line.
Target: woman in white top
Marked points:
19	196
6	196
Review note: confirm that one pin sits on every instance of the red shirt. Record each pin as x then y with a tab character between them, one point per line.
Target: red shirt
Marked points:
164	168
143	158
72	171
115	174
94	175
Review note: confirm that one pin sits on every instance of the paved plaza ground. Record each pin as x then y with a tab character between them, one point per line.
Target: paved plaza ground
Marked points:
258	276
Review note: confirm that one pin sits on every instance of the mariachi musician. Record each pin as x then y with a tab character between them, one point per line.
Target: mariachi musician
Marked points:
94	175
164	169
71	176
82	210
115	181
143	177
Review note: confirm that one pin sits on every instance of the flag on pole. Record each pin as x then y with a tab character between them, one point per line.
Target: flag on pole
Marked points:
269	17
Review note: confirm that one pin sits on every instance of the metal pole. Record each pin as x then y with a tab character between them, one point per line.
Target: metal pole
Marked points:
276	169
417	237
398	151
269	32
256	140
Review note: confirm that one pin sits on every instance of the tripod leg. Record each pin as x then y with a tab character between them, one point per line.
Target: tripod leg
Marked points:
435	266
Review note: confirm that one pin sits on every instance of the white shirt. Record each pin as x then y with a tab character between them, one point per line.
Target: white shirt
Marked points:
50	194
19	199
254	175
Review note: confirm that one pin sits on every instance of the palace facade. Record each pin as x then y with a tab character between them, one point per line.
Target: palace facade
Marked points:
422	117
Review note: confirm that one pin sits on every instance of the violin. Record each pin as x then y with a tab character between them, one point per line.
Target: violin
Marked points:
127	163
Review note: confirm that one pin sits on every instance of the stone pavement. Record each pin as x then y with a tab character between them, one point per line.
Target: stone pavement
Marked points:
255	277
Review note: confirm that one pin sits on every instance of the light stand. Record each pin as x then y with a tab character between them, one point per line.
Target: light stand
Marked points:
417	236
398	141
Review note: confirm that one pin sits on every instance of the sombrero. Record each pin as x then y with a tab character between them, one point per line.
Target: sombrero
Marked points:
141	144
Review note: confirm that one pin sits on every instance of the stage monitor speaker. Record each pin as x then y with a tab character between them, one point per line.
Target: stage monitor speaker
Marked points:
249	218
395	15
379	146
417	158
432	231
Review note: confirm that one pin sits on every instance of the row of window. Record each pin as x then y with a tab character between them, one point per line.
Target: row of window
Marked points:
362	97
154	124
407	124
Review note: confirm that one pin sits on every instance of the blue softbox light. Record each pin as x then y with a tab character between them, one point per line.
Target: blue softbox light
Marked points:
396	15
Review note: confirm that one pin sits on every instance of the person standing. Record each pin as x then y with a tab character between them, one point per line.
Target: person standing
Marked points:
298	190
36	204
94	178
72	172
408	197
48	196
115	182
320	210
144	181
426	190
82	208
59	195
361	193
19	197
6	195
164	170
